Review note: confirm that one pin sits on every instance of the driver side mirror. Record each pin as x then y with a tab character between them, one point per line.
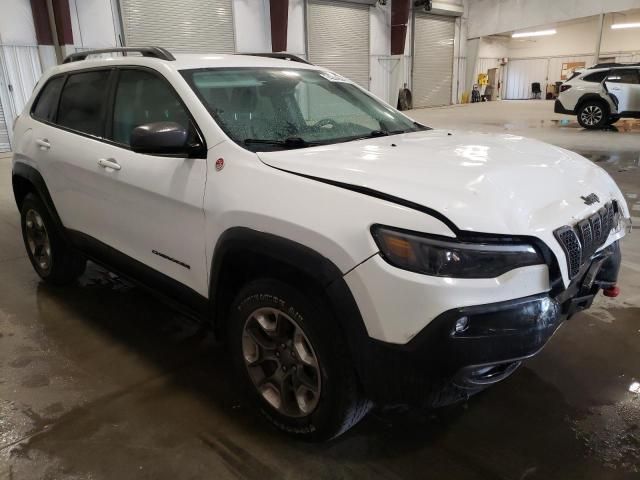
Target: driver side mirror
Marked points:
160	138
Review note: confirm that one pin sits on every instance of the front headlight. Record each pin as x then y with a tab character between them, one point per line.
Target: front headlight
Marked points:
450	258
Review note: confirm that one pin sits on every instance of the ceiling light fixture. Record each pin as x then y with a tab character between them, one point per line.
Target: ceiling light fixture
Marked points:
539	33
619	26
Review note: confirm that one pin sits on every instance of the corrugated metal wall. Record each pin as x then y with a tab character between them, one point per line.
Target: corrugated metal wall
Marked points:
521	74
432	60
5	145
197	26
338	38
19	70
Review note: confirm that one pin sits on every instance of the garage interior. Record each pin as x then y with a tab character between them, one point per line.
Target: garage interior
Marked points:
99	380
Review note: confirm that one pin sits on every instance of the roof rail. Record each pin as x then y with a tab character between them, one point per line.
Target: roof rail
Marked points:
155	52
613	64
280	56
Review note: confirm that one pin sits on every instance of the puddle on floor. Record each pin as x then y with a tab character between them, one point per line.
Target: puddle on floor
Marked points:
624	125
620	160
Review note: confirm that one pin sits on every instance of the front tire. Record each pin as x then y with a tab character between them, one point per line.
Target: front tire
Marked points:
293	361
52	259
593	115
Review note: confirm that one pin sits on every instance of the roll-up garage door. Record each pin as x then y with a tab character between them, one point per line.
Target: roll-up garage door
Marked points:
338	38
179	25
432	60
4	133
522	73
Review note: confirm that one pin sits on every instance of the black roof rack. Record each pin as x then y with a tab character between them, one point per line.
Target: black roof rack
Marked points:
610	65
155	52
280	56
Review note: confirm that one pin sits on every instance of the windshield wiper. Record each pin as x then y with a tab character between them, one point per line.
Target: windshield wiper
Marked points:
290	142
381	133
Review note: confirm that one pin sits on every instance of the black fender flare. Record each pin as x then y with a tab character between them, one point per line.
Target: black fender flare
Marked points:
305	260
34	177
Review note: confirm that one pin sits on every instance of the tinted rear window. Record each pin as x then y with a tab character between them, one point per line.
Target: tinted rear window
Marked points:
83	101
596	77
47	102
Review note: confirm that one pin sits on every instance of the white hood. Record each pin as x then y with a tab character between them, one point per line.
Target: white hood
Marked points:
502	184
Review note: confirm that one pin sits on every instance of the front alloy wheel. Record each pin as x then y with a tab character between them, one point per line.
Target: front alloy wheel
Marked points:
281	362
290	355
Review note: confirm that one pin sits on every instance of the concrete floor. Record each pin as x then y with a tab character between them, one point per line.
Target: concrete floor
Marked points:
99	381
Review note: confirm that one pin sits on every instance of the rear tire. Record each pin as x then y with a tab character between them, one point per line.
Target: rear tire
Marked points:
52	259
593	115
294	365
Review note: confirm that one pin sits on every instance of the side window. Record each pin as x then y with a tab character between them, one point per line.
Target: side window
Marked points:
624	76
142	97
596	77
47	102
83	102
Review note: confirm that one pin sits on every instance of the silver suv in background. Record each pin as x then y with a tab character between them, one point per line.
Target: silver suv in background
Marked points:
601	95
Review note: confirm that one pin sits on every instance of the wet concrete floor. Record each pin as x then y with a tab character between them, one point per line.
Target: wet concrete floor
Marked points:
99	381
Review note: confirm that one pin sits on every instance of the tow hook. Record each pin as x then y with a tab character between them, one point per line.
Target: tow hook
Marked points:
611	291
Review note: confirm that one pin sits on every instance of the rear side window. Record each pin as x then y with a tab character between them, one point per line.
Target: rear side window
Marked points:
623	76
143	97
47	102
596	77
83	102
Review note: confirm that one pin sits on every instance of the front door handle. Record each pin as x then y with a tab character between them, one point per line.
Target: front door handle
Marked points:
109	163
43	143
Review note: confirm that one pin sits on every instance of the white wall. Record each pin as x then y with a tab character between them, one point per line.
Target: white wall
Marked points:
494	47
296	32
19	60
626	40
94	23
574	42
380	60
16	23
488	17
252	24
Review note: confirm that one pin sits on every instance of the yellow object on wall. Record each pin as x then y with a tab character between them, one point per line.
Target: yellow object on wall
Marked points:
483	79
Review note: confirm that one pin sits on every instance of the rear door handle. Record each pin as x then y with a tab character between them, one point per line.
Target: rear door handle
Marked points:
104	163
43	143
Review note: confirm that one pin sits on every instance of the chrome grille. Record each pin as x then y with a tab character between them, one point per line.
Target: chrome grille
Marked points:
581	242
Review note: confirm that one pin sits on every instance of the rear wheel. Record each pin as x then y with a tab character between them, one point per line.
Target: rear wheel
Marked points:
293	362
50	256
593	115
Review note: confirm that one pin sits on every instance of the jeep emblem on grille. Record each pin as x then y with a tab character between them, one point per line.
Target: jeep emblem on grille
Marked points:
591	199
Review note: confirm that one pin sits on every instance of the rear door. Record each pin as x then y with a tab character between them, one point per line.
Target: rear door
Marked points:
67	140
624	86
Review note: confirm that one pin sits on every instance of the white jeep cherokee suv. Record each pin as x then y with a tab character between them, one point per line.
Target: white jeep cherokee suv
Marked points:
601	95
348	255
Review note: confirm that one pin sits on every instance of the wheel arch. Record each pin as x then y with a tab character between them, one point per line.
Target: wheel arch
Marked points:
592	97
242	254
26	179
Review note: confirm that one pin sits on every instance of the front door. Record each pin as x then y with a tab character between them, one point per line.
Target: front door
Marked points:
153	205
